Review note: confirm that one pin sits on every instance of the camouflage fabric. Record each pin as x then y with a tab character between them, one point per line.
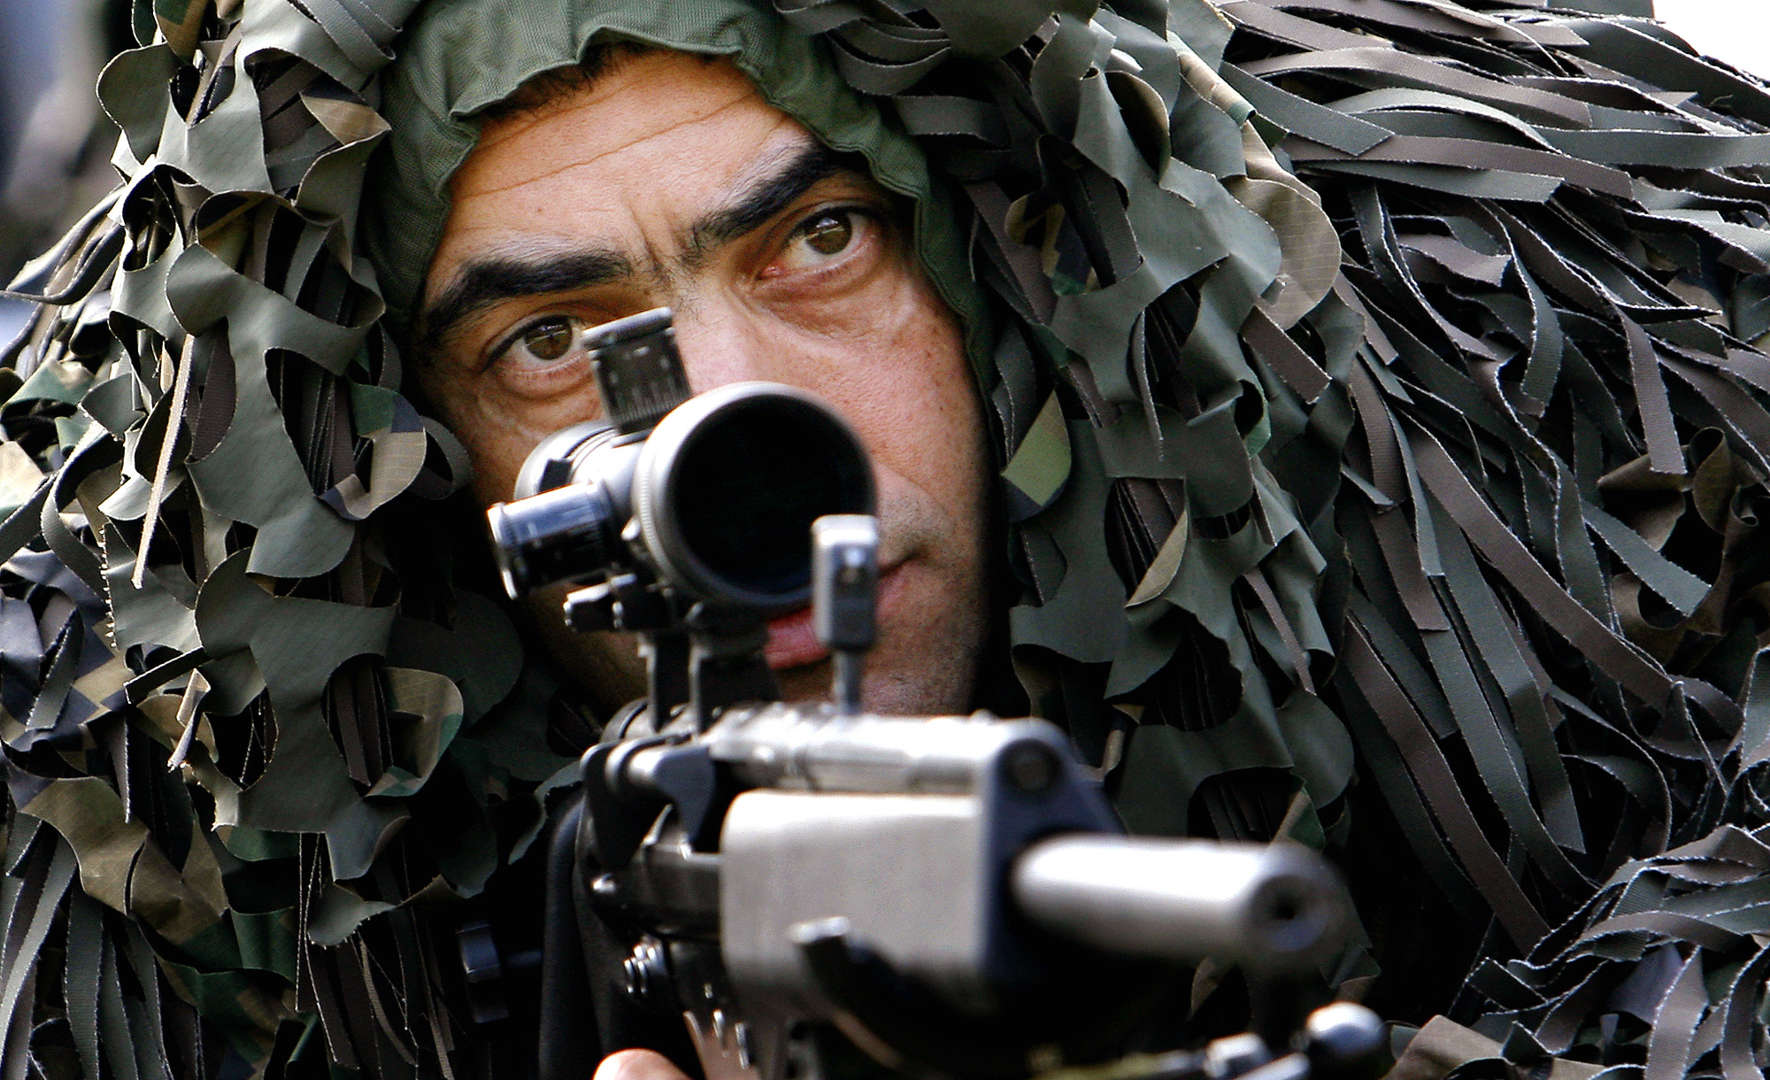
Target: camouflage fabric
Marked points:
1382	431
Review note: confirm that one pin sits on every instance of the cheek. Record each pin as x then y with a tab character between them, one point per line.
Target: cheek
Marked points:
920	407
497	431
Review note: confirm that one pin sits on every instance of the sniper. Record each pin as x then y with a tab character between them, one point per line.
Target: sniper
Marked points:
1348	422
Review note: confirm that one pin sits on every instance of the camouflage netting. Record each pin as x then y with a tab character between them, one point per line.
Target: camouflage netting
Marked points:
1410	510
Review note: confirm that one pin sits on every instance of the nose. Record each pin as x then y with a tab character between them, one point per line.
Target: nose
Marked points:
719	345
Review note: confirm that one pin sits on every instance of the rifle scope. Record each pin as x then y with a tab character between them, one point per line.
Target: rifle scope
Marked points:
716	500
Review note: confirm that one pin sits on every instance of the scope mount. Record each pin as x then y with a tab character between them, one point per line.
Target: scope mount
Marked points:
614	503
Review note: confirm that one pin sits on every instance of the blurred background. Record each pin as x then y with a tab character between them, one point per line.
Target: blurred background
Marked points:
55	143
1737	31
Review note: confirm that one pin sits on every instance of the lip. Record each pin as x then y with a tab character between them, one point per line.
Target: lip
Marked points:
792	641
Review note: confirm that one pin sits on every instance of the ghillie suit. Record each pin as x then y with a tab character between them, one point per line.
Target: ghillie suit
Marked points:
1409	510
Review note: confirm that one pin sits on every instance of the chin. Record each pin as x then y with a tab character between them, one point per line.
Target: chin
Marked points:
886	690
808	683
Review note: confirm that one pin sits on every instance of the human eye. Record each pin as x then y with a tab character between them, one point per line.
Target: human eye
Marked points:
548	341
825	238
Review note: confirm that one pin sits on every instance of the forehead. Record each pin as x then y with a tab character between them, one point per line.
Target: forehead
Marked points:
657	131
626	103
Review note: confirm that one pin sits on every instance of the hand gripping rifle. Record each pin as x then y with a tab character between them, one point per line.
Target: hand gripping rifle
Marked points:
741	879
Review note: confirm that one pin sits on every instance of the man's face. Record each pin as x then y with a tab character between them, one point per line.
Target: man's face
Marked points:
669	181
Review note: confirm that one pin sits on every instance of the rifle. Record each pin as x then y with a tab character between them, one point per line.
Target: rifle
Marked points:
759	889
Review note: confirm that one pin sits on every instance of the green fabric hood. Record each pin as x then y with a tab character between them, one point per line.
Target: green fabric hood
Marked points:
460	56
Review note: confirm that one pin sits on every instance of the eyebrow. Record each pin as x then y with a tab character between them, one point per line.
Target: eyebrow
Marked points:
483	282
763	198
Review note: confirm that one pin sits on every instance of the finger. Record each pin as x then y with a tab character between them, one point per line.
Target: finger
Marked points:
638	1065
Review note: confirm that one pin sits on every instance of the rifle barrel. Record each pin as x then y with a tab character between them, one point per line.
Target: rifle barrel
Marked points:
1271	908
